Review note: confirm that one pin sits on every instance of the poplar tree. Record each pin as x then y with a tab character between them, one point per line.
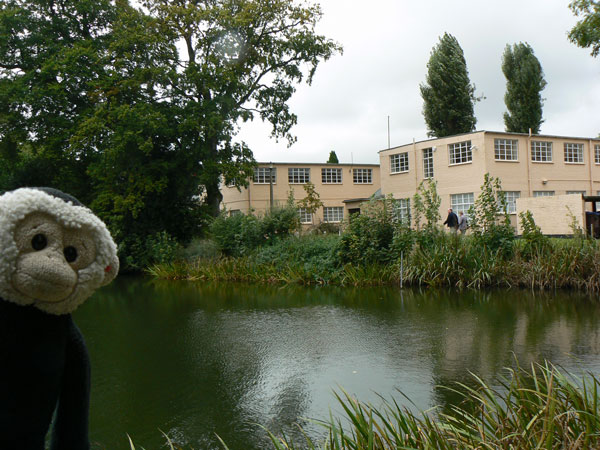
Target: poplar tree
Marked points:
448	95
524	83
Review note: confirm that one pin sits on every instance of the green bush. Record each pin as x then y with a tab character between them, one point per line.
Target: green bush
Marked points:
534	242
369	236
240	234
137	253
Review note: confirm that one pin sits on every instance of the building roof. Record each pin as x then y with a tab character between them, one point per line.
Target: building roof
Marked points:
263	163
494	132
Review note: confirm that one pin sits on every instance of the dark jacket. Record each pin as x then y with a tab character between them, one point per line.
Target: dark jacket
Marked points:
451	220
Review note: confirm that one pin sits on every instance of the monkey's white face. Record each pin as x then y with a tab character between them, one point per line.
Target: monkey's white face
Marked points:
50	257
53	254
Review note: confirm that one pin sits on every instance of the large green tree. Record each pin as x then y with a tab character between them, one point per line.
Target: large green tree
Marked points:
586	32
96	98
448	94
524	83
241	60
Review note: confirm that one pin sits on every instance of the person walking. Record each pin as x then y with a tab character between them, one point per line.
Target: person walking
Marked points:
462	222
451	221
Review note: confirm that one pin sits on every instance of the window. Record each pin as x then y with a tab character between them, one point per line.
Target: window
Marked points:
331	176
402	210
460	152
399	163
576	192
573	153
428	163
541	151
543	193
362	176
305	216
297	175
461	202
511	201
333	213
506	149
597	154
262	174
234	212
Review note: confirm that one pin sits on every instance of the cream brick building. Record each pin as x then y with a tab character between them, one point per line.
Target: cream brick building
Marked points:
528	166
341	188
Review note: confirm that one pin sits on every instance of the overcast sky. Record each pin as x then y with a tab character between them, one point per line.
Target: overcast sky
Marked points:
387	44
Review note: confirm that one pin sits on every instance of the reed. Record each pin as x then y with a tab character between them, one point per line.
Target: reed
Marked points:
444	260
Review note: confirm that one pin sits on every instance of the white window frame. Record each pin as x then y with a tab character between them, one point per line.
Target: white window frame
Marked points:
399	163
573	153
460	153
582	192
543	193
597	153
511	201
298	175
261	175
428	162
462	202
362	176
506	149
306	218
541	151
402	210
333	214
331	175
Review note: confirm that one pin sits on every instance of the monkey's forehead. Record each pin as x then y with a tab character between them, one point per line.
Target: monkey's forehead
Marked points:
16	205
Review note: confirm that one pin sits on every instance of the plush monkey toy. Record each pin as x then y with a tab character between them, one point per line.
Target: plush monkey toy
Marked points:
54	253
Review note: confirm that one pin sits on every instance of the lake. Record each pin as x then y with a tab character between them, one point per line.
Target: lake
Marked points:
196	360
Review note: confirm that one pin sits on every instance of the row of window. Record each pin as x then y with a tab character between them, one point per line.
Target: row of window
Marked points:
504	150
301	175
331	214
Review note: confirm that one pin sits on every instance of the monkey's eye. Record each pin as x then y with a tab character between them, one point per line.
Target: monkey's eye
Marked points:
39	242
70	254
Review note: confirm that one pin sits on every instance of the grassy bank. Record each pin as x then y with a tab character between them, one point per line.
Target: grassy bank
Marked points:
427	260
539	408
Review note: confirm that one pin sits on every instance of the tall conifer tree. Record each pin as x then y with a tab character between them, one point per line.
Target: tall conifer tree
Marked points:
524	83
448	95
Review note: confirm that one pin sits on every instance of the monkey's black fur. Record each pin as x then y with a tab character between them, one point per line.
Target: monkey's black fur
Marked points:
45	365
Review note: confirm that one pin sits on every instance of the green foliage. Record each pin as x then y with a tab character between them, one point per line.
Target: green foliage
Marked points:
426	203
524	83
369	237
492	233
534	241
97	99
137	253
312	202
586	32
333	159
448	95
240	234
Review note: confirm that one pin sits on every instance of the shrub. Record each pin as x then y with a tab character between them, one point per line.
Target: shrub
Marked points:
137	253
533	240
369	236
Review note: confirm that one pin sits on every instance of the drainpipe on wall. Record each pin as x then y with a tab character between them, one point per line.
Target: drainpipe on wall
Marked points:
591	158
416	170
271	187
527	155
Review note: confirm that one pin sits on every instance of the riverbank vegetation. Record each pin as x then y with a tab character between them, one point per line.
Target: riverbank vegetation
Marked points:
378	247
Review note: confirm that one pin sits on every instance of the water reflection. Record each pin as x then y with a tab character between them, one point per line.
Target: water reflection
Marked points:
196	360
